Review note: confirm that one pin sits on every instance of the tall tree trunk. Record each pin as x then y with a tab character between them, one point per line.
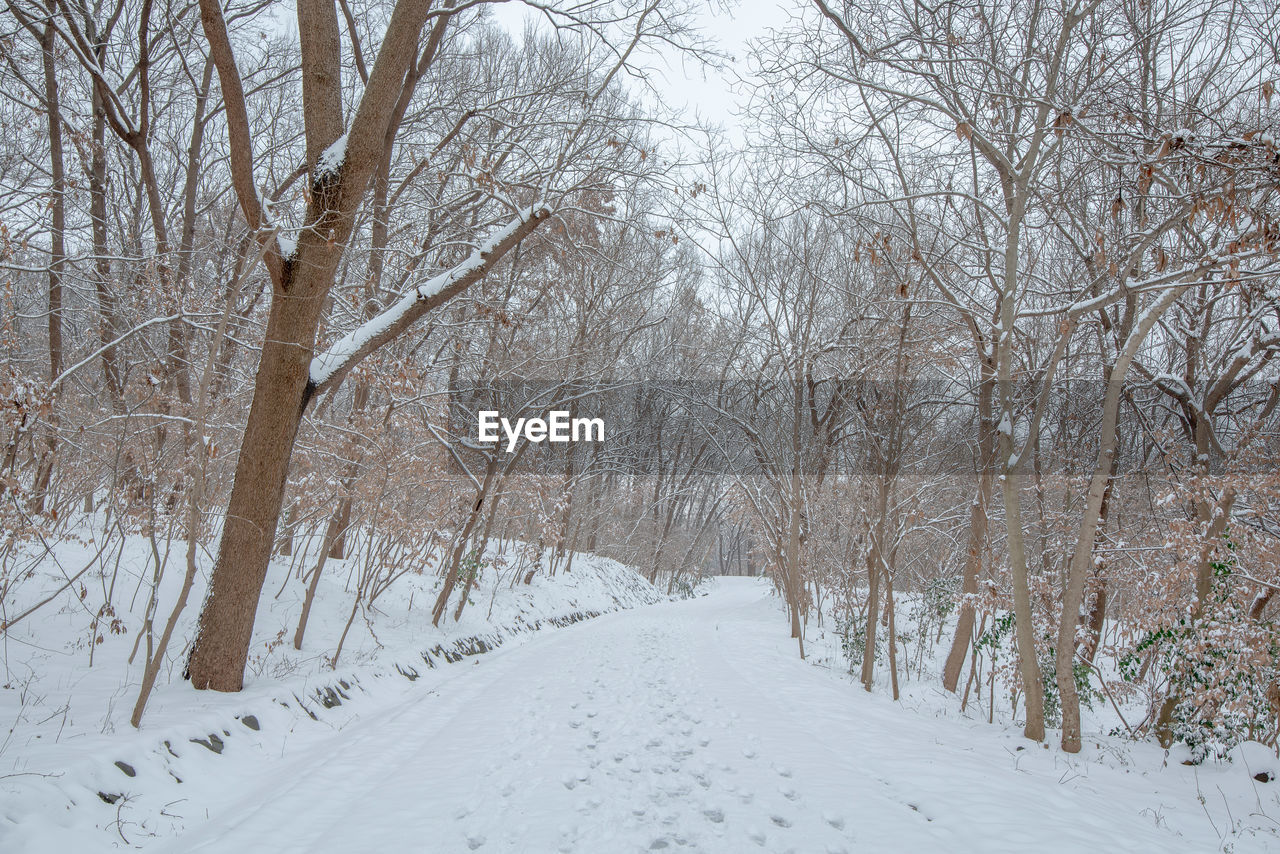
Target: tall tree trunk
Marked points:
108	321
969	583
978	523
794	570
300	286
1024	634
279	396
892	632
1082	557
1028	665
875	565
342	516
57	258
460	546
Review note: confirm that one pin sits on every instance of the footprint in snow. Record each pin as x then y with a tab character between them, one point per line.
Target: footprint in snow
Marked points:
475	841
569	782
834	820
780	821
715	816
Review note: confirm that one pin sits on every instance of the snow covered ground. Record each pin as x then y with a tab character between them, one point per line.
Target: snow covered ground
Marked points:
65	714
676	726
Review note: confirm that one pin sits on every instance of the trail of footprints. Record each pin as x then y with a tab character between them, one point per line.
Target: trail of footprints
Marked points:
641	763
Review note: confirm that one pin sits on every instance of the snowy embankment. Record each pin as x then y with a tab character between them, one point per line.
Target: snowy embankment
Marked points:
1229	803
75	776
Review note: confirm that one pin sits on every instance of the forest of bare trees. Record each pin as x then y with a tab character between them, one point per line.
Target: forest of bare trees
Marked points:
973	314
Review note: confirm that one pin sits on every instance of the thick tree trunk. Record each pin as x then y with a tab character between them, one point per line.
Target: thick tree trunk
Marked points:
300	286
279	397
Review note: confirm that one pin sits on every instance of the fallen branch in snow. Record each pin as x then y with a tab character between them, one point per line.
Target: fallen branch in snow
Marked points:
330	367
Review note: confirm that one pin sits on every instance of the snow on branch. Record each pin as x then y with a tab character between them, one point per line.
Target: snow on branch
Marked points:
329	368
332	158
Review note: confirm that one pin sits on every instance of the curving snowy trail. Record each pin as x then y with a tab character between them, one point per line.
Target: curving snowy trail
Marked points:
686	726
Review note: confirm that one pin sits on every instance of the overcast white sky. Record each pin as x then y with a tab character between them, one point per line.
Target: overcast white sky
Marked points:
706	92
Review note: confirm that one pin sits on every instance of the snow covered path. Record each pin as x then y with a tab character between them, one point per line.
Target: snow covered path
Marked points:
684	726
